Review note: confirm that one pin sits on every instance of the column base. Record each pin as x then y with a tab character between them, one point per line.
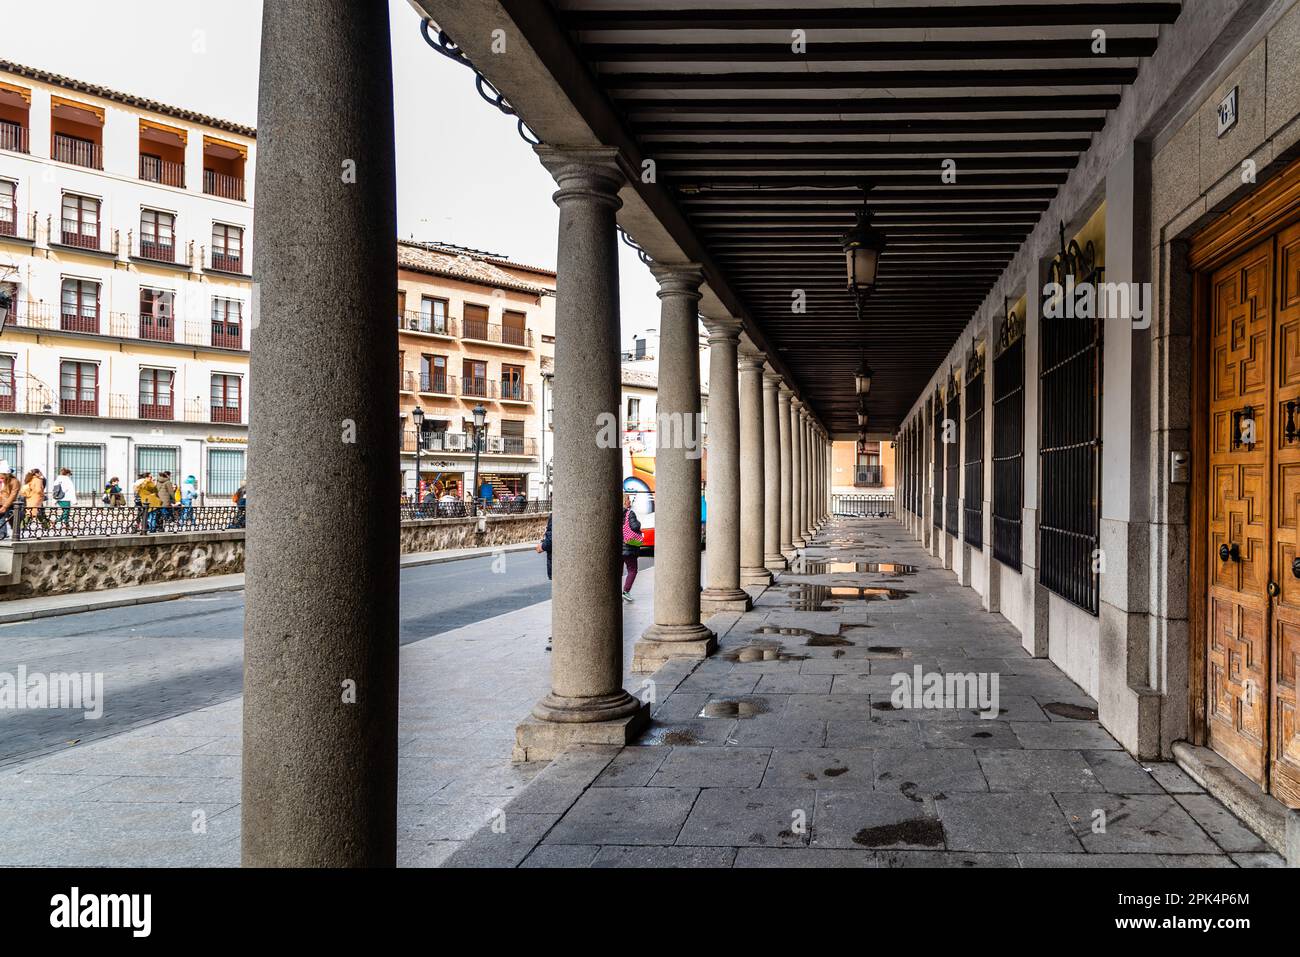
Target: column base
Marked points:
661	642
715	600
799	542
774	563
537	740
789	553
755	576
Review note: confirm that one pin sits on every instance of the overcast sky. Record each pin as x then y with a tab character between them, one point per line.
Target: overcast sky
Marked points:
463	174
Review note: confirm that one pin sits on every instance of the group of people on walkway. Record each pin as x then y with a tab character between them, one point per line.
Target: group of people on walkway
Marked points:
629	552
33	493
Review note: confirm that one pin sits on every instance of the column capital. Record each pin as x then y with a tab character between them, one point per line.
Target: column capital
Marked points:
592	172
796	403
723	329
678	279
750	359
784	393
771	379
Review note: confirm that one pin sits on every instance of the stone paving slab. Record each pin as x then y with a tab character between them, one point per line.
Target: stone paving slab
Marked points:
786	749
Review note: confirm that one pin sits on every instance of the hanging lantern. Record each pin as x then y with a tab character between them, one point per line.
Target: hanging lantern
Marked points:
862	378
863	245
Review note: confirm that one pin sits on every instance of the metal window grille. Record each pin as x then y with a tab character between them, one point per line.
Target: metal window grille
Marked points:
157	459
10	452
973	533
1008	441
87	465
936	479
952	462
225	472
1070	444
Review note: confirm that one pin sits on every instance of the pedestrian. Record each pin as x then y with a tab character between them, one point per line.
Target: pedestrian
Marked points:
9	488
150	502
167	496
631	546
545	546
113	494
64	491
240	498
486	493
33	496
141	513
189	498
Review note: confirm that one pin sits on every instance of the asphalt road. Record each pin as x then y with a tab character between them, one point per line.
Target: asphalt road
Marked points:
169	658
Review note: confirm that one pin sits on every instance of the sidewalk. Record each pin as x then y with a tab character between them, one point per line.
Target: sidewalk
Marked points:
133	799
25	609
789	749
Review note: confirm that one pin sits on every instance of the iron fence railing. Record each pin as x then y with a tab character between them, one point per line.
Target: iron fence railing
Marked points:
155	169
223	185
78	152
879	505
460	508
13	137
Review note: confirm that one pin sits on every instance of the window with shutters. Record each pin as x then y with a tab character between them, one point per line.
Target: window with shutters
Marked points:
952	455
1008	439
973	529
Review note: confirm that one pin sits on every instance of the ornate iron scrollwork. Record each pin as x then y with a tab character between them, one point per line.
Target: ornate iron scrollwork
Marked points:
1011	329
1291	431
1074	262
974	361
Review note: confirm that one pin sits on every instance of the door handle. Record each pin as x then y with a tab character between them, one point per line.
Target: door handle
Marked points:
1233	552
1295	567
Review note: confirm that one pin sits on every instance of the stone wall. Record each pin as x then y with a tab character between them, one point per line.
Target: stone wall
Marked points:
63	566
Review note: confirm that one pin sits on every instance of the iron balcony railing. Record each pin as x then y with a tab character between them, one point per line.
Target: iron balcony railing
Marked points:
880	505
482	331
74	319
78	402
428	324
161	249
436	383
516	391
79	234
222	260
227	335
460	508
227	414
13	137
223	185
31	314
154	169
479	388
78	152
82	521
866	476
156	409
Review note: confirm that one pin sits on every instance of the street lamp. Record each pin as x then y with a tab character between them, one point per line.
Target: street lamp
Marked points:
863	245
862	378
480	416
417	416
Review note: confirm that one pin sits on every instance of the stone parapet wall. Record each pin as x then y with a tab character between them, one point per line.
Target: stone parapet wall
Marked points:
64	566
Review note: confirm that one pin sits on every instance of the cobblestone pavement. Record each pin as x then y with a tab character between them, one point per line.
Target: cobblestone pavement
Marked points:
161	787
785	749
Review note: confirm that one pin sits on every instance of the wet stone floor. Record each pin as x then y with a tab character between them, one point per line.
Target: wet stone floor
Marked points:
791	746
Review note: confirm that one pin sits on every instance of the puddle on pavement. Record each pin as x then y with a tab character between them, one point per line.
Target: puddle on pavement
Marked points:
921	831
1072	711
816	597
763	650
734	709
813	639
820	566
887	650
670	736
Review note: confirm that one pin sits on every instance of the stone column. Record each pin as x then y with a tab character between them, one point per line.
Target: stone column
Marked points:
677	631
773	560
752	570
785	417
796	474
806	486
723	592
319	783
587	703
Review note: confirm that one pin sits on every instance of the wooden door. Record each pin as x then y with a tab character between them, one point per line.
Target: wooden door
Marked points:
1284	737
1237	662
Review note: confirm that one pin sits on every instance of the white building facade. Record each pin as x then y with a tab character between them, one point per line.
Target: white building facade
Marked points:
125	260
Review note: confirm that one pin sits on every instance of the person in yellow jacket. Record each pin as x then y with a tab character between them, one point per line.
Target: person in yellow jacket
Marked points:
150	502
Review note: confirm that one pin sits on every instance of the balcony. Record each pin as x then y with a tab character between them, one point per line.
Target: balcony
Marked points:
430	383
443	326
226	335
78	152
14	225
516	391
79	235
868	476
72	319
13	137
477	388
156	249
219	260
227	414
156	328
79	403
480	331
8	397
148	409
153	169
223	185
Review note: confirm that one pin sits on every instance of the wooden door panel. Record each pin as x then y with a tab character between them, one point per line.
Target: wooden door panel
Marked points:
1284	742
1241	510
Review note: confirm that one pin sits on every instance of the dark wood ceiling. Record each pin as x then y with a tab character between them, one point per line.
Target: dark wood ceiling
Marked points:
766	149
